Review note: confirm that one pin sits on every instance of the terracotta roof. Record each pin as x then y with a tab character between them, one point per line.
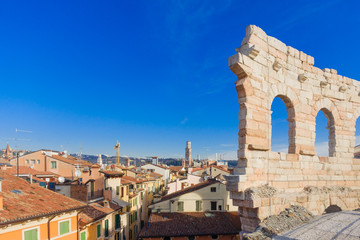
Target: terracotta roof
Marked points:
96	211
196	169
188	190
23	201
191	224
155	174
27	170
175	168
134	180
112	173
71	160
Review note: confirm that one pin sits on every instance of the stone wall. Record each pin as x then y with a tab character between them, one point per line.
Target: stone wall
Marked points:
266	68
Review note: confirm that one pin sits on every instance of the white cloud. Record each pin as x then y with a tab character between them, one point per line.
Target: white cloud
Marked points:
279	148
227	145
229	155
357	140
184	121
322	149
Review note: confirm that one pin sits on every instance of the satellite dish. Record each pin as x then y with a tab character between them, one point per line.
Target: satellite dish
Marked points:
61	179
77	173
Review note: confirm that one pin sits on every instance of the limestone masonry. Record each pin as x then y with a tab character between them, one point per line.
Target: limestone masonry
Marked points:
266	68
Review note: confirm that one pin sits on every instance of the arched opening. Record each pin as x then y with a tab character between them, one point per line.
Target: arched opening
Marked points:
325	133
357	139
282	118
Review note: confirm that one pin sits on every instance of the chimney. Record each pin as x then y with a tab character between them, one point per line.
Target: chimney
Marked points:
106	203
65	155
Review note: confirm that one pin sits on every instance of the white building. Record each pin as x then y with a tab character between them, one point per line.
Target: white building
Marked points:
164	171
210	195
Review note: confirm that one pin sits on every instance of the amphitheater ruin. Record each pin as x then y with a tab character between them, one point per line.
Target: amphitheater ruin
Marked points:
265	182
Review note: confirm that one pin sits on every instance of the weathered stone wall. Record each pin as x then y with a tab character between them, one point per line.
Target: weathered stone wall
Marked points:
266	68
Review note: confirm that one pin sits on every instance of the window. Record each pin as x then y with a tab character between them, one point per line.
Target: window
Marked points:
137	186
98	231
180	206
281	140
117	221
31	234
135	215
191	238
198	205
106	228
32	161
213	189
64	227
167	238
227	207
27	161
53	164
135	201
142	195
122	192
220	207
130	234
83	235
213	206
148	189
214	236
38	161
127	190
117	190
131	218
153	189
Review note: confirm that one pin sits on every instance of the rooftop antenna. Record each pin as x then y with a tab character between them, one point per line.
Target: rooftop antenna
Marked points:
16	147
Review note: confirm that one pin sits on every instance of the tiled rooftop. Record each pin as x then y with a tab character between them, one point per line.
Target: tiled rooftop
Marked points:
72	160
27	170
191	224
189	189
112	173
96	211
23	200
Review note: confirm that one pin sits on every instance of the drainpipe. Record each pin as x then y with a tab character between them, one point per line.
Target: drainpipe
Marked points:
51	218
77	224
45	163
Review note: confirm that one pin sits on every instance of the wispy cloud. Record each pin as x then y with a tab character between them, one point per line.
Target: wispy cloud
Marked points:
227	145
184	121
279	148
322	149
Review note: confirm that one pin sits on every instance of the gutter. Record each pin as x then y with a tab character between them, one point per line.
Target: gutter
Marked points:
39	216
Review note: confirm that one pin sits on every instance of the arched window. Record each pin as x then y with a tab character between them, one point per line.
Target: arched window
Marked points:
325	134
282	125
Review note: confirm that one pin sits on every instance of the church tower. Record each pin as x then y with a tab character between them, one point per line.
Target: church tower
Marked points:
188	159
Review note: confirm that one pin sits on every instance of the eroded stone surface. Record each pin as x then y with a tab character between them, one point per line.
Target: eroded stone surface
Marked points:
266	68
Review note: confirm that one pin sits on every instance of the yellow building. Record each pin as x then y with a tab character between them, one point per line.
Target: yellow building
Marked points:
101	220
30	212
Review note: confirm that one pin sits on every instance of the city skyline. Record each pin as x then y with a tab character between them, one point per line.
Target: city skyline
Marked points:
81	76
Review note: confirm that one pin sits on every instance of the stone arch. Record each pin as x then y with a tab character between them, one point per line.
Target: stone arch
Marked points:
331	128
290	99
291	119
356	116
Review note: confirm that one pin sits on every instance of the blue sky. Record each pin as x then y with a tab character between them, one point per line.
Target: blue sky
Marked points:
82	74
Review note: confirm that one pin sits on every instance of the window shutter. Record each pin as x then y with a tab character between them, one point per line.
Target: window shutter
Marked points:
98	228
